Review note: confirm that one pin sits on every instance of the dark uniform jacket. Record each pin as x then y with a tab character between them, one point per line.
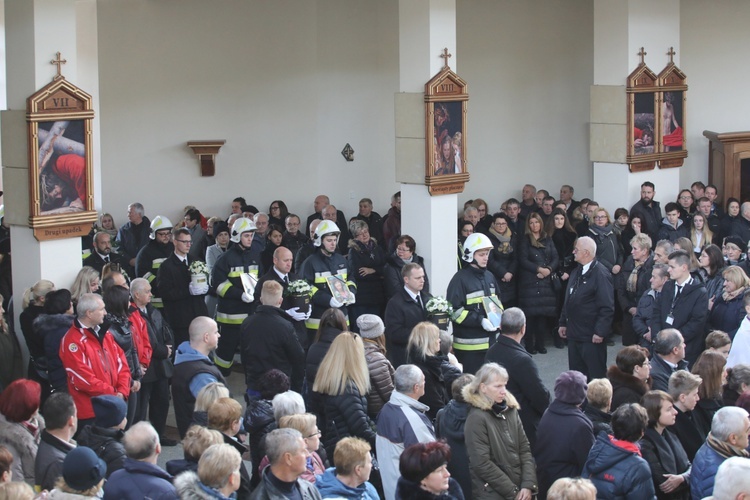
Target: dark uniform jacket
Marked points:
147	264
401	315
180	307
589	303
315	270
689	312
466	290
226	280
272	275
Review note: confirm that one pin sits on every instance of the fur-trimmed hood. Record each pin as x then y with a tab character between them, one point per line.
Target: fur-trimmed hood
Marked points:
48	322
189	487
477	401
621	379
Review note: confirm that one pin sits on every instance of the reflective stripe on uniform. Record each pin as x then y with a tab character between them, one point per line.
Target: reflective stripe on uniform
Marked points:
474	297
222	363
156	263
460	315
222	289
312	323
149	276
230	319
471	347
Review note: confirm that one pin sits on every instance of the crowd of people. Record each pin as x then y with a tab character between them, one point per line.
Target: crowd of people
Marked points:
354	386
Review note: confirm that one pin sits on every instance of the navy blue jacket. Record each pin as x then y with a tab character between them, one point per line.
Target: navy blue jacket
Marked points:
703	473
139	480
690	313
618	473
589	303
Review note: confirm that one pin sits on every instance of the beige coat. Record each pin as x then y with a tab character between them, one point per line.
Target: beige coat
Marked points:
500	458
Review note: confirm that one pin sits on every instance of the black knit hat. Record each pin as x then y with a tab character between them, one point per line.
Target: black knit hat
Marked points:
570	387
109	411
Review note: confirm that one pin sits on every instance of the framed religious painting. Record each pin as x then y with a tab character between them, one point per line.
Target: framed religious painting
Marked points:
642	118
59	118
446	162
673	110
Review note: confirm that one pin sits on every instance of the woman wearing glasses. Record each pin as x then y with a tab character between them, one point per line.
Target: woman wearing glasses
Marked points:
405	253
608	249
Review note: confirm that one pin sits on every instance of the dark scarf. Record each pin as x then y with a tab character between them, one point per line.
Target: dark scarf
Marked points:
369	247
601	231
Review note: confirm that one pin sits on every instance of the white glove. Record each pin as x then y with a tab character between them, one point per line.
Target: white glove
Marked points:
296	315
335	303
198	289
487	325
247	298
354	299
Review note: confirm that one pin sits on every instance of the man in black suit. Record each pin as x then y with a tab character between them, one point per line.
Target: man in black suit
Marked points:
183	300
683	304
669	356
566	196
404	311
102	252
524	381
281	273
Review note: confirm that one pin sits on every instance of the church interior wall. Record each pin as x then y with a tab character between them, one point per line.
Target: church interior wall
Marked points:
288	84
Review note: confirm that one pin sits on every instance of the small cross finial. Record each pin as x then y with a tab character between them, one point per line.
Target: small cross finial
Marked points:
59	62
671	54
642	54
445	55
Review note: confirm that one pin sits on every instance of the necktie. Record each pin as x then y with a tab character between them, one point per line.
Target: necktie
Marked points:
419	301
679	291
286	279
106	259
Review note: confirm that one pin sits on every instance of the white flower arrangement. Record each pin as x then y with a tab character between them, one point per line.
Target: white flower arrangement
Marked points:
439	305
198	267
299	287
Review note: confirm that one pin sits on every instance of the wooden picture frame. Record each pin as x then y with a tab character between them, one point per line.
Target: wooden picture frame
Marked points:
446	163
339	289
642	118
59	118
673	115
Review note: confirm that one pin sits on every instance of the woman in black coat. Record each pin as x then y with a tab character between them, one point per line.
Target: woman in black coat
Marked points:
51	327
424	352
405	253
366	262
564	237
274	237
117	302
630	376
728	309
344	387
537	261
633	282
608	249
662	450
503	261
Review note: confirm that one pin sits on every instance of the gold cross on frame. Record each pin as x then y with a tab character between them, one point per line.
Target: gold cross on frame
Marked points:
642	54
59	62
671	54
445	55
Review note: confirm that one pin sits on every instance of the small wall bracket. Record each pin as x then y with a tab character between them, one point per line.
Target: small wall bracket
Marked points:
206	152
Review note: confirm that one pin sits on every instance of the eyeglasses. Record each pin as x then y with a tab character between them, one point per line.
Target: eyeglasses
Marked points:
686	197
274	208
402	249
314	434
185	242
600	217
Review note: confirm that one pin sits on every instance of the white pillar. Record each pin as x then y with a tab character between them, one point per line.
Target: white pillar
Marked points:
621	28
35	31
426	27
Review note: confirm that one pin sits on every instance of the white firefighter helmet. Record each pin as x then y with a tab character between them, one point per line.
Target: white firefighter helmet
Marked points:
240	226
324	228
160	222
474	243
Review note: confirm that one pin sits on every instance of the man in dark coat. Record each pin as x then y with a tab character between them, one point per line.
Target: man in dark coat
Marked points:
183	300
281	273
133	235
270	341
669	356
154	402
105	435
682	304
648	210
404	311
741	225
524	381
565	435
57	439
140	477
102	252
586	318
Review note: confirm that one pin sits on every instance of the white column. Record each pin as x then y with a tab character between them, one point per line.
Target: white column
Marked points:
621	28
35	31
426	27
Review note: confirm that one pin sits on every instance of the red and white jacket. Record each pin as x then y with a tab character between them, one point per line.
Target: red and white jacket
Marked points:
93	367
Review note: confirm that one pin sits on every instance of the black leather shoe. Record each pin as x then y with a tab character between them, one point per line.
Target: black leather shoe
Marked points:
531	351
542	350
167	442
560	344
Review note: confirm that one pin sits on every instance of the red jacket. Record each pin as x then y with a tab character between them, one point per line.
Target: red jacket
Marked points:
140	336
93	368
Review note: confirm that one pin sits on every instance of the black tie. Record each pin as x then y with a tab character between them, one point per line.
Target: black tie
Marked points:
679	291
419	301
106	259
286	280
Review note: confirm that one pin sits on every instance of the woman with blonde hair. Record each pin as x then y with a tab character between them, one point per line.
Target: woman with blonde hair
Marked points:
576	488
33	307
700	234
381	370
218	475
206	397
344	381
608	249
197	440
87	281
728	309
710	368
499	454
424	352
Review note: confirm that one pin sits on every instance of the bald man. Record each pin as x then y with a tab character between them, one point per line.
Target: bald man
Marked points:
322	201
281	272
586	318
194	369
